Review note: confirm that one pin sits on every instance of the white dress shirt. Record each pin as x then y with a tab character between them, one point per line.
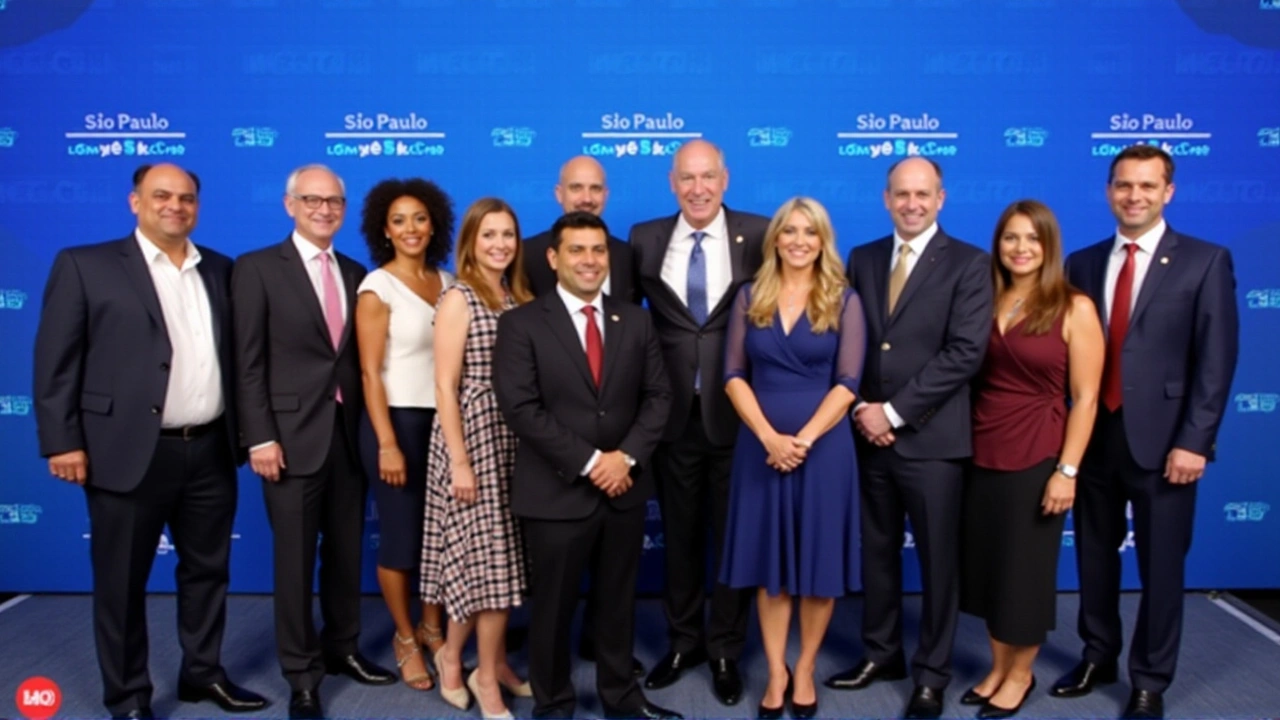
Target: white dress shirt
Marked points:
194	393
1147	243
715	249
918	245
311	261
579	318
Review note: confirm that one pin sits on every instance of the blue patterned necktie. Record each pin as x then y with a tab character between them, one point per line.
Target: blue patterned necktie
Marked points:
696	288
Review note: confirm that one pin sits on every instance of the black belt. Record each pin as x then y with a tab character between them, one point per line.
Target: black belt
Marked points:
190	432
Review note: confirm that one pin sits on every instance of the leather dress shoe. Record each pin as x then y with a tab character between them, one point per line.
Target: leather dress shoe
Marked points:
305	705
142	713
226	694
994	712
865	673
671	666
725	681
648	711
925	704
356	667
1144	705
971	697
587	652
1080	681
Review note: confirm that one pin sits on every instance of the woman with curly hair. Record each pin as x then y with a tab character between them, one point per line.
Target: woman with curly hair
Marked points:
408	226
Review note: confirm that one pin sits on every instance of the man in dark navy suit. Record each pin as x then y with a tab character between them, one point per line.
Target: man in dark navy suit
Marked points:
1168	303
928	301
135	401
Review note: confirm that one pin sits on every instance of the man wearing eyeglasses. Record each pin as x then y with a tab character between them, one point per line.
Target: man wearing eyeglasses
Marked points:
299	399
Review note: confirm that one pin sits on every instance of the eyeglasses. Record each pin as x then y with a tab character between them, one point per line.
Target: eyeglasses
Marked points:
313	202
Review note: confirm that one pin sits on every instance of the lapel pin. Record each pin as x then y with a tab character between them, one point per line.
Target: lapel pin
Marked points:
738	239
1164	260
614	318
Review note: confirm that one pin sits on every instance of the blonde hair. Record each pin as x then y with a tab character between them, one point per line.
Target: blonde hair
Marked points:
829	283
469	270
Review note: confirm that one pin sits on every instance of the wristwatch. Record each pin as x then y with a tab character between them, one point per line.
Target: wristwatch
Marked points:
1069	471
631	462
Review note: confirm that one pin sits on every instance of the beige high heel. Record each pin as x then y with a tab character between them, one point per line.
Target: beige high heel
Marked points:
475	690
520	690
457	697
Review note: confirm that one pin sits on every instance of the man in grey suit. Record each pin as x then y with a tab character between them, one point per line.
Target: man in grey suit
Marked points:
299	397
928	303
691	265
134	402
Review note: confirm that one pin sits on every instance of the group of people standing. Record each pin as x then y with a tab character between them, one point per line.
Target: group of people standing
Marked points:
514	416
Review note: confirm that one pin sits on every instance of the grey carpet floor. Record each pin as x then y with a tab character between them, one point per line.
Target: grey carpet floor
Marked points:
1228	668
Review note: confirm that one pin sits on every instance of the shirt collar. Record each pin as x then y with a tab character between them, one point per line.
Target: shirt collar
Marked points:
151	252
309	251
1147	241
714	230
918	243
575	303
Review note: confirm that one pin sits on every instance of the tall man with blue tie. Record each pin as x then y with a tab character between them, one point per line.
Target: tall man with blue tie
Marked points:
1168	302
691	265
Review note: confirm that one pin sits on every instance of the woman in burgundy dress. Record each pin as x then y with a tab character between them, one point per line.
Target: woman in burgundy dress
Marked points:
1046	343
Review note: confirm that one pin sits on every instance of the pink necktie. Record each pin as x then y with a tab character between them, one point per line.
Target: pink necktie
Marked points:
332	304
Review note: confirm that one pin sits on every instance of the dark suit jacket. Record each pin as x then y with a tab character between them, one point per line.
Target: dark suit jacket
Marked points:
685	346
922	357
545	391
102	358
1180	352
542	279
287	368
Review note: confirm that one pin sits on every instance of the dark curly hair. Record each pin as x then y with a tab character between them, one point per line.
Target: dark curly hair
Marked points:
373	219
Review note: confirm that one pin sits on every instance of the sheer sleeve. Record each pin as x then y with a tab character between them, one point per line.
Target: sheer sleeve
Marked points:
736	364
853	343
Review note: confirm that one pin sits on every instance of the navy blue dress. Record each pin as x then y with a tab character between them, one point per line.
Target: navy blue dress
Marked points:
795	531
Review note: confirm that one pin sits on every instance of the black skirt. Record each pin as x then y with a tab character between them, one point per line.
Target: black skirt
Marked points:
400	509
1009	551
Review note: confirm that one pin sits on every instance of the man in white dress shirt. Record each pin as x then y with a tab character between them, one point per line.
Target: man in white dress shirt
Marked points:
134	402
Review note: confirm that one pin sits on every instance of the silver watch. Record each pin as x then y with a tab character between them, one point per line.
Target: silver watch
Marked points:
631	462
1068	470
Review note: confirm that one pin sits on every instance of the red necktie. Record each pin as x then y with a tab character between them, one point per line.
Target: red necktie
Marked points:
595	345
1112	387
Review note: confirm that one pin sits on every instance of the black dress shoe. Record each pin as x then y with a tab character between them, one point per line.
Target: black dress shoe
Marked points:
1080	681
142	713
305	705
1144	705
671	666
925	704
865	673
649	711
767	713
995	712
356	667
725	681
225	694
971	697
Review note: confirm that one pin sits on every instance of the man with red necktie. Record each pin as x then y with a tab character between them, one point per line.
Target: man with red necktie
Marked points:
1168	303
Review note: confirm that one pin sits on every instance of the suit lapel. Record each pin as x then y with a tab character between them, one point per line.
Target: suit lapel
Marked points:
562	327
135	266
652	267
1096	275
880	253
737	261
614	334
350	283
217	299
295	274
933	254
1161	262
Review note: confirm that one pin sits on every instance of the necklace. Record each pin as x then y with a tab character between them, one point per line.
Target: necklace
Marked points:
1013	311
789	300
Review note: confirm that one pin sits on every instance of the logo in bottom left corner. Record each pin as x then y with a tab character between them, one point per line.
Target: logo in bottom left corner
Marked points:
38	698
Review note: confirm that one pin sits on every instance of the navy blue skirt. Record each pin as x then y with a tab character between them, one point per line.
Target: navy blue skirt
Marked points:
400	508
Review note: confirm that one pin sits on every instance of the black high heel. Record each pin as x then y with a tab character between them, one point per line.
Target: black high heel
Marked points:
803	712
768	713
995	712
971	697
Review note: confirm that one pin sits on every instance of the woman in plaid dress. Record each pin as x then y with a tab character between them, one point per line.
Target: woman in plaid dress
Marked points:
472	559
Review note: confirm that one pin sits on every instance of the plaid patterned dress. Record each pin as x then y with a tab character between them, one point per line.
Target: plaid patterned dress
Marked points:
472	555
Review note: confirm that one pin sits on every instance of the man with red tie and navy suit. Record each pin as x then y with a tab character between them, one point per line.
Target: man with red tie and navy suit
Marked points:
1168	302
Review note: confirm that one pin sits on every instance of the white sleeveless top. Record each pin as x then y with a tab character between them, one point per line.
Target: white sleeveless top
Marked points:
409	365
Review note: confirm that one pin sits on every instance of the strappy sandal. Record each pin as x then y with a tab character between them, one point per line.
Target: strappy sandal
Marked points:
431	639
405	649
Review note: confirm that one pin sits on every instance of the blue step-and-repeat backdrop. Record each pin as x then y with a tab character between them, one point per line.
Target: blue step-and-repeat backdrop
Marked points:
1015	98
